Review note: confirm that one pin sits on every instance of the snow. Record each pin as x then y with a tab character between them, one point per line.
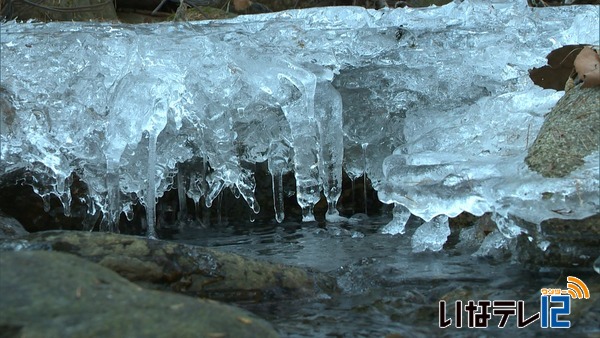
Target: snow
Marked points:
435	104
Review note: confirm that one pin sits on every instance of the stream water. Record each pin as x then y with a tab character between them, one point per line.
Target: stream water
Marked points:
388	291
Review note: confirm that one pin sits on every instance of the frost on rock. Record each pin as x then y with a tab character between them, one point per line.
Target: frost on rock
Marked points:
434	105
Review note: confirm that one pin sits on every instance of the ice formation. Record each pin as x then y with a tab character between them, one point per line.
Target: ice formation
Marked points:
434	104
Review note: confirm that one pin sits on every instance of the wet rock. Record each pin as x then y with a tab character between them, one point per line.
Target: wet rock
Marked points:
53	294
569	133
10	227
554	243
563	243
187	269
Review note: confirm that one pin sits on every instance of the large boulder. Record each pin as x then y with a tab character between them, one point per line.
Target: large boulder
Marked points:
569	133
192	270
53	294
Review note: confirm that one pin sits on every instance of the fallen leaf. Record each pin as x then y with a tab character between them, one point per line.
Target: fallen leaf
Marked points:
587	65
245	320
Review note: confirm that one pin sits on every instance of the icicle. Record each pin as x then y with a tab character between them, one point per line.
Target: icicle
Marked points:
113	196
197	208
307	212
245	187
297	94
278	162
129	214
205	215
277	182
150	197
328	110
65	196
213	192
201	213
235	191
182	195
364	149
219	209
353	194
398	223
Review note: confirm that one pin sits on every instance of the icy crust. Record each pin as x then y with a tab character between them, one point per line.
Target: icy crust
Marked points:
434	104
430	178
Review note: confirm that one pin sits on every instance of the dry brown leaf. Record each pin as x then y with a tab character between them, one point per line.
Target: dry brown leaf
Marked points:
587	65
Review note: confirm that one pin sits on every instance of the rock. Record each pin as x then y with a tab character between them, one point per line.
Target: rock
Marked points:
187	269
569	133
20	191
10	227
53	294
57	10
555	243
570	244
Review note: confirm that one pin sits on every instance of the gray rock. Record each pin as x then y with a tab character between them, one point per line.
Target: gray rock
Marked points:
53	294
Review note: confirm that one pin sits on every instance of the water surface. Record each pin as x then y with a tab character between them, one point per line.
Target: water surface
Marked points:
385	288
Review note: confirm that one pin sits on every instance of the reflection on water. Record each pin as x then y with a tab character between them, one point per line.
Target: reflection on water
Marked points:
385	289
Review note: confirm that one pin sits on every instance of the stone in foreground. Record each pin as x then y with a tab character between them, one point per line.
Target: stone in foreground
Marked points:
53	294
192	270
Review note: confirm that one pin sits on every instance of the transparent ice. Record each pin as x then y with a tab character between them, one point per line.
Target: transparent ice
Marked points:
433	104
431	235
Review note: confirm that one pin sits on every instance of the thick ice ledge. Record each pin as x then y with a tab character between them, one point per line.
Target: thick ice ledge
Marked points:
435	104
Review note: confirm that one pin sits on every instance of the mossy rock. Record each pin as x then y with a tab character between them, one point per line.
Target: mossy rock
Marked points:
187	269
61	10
53	294
569	133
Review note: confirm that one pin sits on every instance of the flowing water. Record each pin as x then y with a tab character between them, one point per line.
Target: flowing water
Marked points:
388	291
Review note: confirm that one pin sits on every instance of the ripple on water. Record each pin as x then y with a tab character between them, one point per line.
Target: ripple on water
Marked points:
386	289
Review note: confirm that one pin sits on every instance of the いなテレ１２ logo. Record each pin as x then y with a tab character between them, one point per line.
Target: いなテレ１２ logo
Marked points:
576	289
555	305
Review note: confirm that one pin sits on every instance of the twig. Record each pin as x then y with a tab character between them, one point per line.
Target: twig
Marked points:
158	7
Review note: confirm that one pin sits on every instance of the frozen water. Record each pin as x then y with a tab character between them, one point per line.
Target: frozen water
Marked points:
398	223
434	104
431	235
492	245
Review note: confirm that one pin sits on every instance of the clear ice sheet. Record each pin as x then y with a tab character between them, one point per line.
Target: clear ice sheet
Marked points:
435	104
